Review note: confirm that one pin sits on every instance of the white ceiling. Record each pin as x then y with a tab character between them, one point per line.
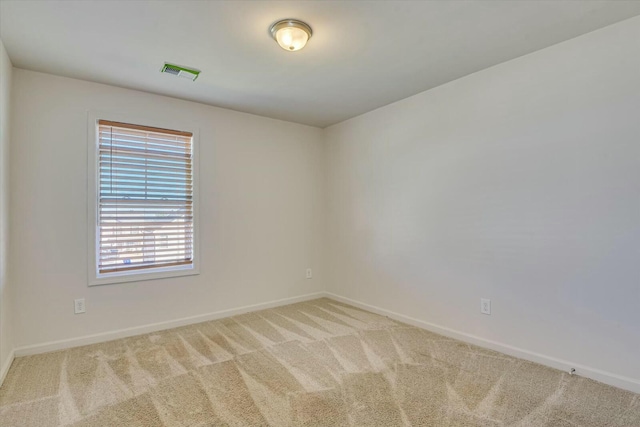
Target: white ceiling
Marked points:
363	54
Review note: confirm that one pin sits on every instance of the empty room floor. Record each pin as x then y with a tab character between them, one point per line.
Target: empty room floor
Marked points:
317	363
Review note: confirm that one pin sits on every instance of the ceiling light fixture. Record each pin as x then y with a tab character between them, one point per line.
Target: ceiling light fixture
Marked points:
291	34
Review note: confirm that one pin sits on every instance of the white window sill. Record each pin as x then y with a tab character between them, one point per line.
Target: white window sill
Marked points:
138	276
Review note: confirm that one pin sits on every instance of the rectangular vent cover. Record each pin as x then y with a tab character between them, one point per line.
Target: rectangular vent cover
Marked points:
179	71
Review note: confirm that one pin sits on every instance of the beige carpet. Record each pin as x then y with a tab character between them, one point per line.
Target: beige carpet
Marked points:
319	363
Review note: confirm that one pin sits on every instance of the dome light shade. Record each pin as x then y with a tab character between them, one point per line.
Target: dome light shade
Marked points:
291	34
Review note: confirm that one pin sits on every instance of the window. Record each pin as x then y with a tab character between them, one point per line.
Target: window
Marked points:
144	202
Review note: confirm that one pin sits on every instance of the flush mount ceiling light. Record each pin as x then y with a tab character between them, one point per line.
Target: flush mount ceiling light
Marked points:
291	34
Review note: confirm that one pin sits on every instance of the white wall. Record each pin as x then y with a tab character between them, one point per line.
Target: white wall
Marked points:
6	326
519	183
262	219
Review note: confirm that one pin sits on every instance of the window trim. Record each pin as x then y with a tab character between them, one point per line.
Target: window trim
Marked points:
94	277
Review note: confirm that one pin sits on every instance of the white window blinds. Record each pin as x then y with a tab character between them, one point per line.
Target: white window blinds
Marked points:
145	198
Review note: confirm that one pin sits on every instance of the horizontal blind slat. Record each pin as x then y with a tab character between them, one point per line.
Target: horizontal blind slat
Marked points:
143	266
168	172
107	135
146	184
134	148
106	144
141	244
135	153
116	265
123	237
138	158
133	127
159	214
145	252
114	229
138	198
160	204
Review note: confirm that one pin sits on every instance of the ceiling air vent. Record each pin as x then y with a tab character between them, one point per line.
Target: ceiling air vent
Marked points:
176	70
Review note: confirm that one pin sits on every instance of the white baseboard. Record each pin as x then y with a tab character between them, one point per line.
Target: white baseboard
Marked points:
4	369
609	378
154	327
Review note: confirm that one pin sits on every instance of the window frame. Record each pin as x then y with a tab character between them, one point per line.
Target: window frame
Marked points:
93	182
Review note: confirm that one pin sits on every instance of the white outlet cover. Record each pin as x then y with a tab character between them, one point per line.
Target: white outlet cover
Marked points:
485	306
78	306
309	273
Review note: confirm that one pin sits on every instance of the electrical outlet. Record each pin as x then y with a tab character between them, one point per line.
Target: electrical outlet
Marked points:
309	273
485	306
78	306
